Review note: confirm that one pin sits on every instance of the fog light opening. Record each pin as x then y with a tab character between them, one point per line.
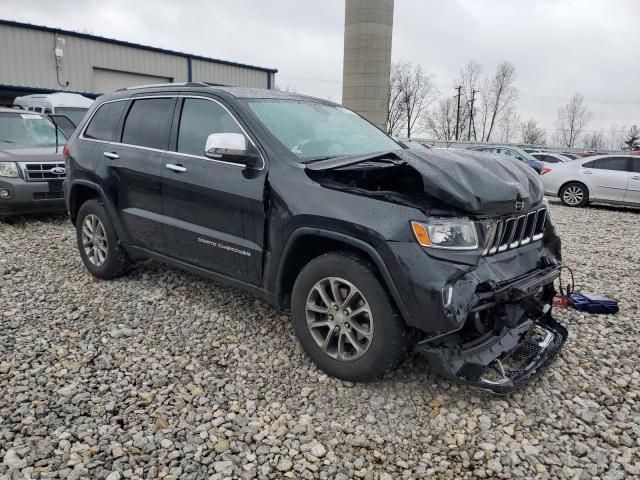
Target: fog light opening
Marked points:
447	296
5	193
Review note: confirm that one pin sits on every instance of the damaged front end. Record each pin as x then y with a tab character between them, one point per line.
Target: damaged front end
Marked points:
509	335
484	311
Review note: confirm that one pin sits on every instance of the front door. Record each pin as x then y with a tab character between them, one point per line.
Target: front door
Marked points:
606	178
214	211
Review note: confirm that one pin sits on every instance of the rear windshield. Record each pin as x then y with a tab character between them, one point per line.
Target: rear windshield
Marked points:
74	113
313	130
28	130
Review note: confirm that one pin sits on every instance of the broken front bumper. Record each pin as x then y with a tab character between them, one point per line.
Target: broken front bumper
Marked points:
524	338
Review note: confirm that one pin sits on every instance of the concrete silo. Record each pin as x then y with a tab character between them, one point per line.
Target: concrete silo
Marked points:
368	28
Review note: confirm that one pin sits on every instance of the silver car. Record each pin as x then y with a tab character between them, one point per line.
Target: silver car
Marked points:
605	178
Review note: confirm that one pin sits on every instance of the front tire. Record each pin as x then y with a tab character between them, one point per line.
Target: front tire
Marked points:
98	244
574	194
345	320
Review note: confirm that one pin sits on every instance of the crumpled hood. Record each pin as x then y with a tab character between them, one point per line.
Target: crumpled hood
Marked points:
477	182
474	182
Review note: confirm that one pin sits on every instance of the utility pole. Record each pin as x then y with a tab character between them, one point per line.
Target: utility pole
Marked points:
473	98
459	87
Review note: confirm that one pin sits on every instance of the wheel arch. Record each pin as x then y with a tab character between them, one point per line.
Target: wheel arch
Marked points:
82	190
307	243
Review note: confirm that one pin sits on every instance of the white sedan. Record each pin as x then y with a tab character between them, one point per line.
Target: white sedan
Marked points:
609	178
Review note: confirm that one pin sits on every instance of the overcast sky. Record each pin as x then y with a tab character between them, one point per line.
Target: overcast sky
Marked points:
559	47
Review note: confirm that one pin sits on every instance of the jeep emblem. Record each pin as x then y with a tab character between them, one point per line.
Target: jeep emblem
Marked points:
58	170
519	205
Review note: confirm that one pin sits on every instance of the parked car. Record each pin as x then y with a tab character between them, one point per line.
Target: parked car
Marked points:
375	248
71	105
516	153
550	157
606	178
31	163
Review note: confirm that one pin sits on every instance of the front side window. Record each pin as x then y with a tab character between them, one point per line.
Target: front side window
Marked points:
105	121
313	130
609	163
148	123
28	130
199	119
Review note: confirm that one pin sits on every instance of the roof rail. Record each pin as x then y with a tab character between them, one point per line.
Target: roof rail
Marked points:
158	85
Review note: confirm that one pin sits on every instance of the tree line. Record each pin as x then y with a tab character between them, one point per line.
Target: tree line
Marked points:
484	110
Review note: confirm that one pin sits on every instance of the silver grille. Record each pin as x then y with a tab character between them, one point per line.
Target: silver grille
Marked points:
38	172
515	232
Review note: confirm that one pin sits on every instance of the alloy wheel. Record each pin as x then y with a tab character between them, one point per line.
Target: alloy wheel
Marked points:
573	195
339	319
94	240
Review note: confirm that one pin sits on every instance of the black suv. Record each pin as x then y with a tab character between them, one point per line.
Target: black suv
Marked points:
376	249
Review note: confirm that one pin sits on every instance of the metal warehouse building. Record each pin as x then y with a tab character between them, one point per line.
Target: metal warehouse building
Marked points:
36	59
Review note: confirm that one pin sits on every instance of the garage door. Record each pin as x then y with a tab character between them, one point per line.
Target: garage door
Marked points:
107	81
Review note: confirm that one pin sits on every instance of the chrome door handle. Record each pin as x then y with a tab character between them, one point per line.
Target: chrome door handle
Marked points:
175	168
111	155
636	177
588	172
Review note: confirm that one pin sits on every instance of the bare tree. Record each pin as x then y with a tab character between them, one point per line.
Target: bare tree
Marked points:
531	133
572	118
594	141
396	114
469	79
499	96
632	138
441	121
417	93
508	124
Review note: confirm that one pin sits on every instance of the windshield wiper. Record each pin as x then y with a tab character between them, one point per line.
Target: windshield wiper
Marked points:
317	159
6	141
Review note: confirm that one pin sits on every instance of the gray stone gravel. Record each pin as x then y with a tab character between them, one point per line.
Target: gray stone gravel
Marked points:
165	375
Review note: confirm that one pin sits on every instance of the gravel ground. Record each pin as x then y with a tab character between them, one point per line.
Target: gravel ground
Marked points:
165	375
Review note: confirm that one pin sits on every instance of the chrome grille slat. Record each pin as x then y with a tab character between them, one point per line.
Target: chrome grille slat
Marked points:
514	232
41	172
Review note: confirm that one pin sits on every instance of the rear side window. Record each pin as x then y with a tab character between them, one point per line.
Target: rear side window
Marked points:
635	165
610	163
199	119
105	121
148	123
549	159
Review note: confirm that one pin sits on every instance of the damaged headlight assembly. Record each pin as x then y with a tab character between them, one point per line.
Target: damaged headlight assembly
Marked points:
454	234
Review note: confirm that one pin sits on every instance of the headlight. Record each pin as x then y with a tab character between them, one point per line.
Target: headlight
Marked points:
8	169
451	234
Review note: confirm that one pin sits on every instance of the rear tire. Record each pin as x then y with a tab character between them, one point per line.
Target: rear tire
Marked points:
574	194
98	244
357	337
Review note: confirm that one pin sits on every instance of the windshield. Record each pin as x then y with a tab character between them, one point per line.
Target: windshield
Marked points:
312	130
26	130
74	113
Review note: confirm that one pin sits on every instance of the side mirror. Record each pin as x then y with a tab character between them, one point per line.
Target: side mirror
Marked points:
231	147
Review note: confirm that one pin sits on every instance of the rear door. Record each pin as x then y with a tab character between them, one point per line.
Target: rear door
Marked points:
136	169
606	178
633	187
214	210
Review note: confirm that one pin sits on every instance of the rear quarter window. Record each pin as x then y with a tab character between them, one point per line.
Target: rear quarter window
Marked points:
105	121
610	163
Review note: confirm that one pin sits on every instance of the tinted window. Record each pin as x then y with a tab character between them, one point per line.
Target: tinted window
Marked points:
635	165
610	163
105	121
199	119
148	123
549	159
